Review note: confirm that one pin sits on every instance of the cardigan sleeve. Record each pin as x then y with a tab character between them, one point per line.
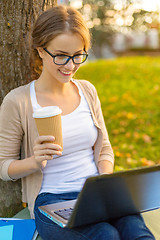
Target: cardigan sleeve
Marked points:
106	152
11	134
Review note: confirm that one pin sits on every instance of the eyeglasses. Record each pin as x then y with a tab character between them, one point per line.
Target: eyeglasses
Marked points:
61	59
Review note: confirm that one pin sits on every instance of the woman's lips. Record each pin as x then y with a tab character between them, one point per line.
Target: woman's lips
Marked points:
65	73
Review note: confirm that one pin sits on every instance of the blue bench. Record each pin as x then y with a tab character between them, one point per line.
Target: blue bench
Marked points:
152	219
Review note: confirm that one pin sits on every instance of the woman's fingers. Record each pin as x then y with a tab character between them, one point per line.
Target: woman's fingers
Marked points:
44	157
47	152
43	142
44	150
42	139
49	146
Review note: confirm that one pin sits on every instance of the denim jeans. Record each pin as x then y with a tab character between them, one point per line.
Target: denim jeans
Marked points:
126	228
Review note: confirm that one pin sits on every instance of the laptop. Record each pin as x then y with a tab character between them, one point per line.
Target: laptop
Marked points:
109	196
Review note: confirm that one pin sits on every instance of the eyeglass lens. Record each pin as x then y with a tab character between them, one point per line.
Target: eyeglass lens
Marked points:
63	59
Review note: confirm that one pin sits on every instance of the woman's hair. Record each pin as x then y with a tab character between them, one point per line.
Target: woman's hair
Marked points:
58	20
51	23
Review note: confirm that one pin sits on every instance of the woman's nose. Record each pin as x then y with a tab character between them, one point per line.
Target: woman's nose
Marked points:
70	64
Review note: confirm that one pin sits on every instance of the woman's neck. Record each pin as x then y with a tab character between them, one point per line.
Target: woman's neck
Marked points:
51	85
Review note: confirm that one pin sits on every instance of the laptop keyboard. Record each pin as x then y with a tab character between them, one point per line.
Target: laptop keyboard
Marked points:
64	213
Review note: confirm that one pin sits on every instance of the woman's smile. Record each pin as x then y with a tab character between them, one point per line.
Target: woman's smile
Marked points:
66	73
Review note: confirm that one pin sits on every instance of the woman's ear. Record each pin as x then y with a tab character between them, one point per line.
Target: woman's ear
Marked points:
40	52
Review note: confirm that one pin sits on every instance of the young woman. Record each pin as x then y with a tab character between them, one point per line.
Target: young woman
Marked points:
61	38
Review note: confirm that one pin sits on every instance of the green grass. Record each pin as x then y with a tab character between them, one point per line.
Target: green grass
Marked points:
129	90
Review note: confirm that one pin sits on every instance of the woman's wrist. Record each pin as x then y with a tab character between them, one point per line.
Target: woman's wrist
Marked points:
32	163
22	168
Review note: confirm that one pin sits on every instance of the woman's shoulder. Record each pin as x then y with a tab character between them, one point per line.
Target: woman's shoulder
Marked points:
87	86
18	94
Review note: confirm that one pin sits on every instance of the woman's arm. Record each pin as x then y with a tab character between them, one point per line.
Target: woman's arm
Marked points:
42	153
11	137
105	167
19	169
11	134
106	155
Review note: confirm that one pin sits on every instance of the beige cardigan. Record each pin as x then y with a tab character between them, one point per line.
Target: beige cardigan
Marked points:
18	133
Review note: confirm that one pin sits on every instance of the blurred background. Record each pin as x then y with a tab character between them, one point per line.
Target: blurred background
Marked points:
124	66
121	27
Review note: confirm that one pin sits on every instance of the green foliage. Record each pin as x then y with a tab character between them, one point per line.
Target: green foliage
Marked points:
129	90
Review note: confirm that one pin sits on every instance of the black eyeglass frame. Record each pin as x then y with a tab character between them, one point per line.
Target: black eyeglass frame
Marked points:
69	57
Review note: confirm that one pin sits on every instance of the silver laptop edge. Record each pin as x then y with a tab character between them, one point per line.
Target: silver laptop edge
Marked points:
137	190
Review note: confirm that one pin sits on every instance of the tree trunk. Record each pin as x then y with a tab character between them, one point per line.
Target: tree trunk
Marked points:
16	21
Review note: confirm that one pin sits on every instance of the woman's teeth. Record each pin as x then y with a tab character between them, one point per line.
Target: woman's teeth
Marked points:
66	73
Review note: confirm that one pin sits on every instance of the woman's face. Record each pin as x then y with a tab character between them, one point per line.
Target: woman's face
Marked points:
64	44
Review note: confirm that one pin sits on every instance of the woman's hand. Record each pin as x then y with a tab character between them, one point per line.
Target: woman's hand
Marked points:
44	150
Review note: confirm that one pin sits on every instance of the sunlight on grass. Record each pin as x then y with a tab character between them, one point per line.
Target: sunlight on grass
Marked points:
129	90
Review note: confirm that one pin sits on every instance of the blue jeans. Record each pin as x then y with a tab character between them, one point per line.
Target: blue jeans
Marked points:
126	228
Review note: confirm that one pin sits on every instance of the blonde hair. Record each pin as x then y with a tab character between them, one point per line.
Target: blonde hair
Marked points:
51	23
58	20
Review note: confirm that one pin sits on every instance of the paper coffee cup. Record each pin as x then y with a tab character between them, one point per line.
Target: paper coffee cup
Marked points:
48	122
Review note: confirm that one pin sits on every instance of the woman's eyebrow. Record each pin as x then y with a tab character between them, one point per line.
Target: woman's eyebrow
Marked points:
60	51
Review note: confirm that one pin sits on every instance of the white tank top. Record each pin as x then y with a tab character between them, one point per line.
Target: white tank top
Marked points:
68	172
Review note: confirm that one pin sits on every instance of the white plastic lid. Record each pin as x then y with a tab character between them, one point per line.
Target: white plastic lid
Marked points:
49	111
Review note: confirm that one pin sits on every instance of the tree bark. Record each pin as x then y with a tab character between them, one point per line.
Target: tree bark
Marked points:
16	21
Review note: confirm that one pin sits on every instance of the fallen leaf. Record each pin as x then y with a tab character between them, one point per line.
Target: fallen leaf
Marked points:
146	162
118	154
147	138
128	155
